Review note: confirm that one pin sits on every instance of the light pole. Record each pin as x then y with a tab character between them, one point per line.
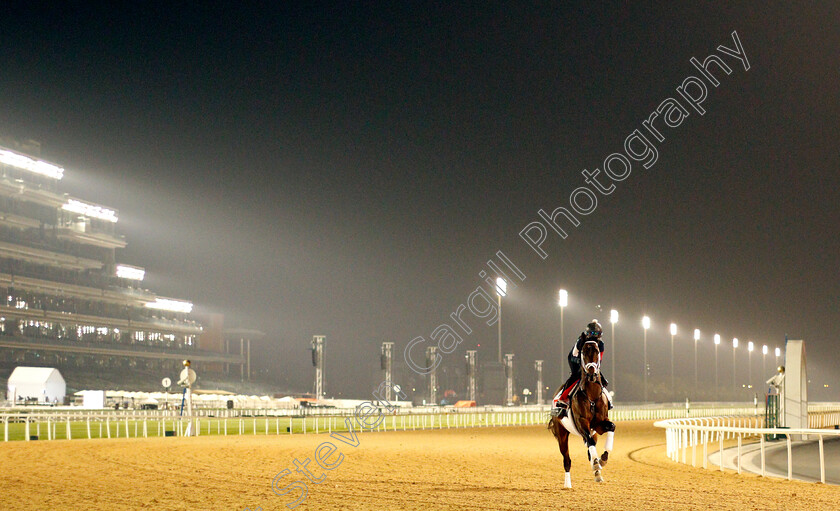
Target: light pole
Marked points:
501	290
563	301
734	362
763	362
673	333
750	348
696	338
778	352
717	385
645	325
613	321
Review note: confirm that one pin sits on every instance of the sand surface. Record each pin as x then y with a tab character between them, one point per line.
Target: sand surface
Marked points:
486	468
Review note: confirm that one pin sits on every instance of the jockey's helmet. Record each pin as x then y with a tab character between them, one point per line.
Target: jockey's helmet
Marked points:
593	329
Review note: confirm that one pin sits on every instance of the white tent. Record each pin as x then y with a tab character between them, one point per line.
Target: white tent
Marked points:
42	383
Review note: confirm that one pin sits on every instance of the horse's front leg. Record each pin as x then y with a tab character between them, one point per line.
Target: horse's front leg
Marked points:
593	456
592	452
608	428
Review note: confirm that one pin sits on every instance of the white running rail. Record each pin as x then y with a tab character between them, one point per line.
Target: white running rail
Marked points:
698	433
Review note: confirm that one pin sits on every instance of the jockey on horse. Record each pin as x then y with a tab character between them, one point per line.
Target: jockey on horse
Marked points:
592	333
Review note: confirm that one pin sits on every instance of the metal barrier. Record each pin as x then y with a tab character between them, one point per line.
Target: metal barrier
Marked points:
682	434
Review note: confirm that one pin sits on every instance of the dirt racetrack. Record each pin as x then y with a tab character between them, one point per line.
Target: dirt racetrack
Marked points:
486	469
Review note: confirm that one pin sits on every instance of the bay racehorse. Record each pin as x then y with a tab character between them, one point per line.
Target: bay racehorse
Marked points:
587	415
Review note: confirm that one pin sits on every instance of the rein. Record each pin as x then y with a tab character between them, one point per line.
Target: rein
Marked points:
592	403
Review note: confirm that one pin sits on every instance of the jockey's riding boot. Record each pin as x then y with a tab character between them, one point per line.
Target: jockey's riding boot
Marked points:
604	381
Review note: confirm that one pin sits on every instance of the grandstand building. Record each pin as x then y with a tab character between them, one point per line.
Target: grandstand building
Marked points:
66	301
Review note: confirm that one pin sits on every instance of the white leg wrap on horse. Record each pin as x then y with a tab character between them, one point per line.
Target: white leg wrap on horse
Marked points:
610	440
593	453
568	482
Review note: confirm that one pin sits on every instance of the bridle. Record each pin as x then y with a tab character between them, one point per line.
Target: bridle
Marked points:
594	365
592	378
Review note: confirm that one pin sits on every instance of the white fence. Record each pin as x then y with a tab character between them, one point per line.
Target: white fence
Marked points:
64	424
142	425
699	433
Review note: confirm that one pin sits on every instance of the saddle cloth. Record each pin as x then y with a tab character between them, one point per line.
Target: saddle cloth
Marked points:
564	394
568	422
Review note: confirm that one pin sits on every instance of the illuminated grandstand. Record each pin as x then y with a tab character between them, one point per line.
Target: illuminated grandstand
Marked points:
66	302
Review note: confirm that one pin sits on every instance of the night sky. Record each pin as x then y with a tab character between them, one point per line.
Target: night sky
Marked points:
348	170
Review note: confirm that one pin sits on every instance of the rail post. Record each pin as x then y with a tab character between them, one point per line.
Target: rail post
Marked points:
763	470
822	461
789	459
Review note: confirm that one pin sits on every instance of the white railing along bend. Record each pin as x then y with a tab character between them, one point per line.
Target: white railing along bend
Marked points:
684	434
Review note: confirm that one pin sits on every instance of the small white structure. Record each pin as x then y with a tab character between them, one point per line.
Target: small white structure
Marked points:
796	386
42	383
92	399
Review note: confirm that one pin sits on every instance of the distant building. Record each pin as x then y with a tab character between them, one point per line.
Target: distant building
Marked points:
65	300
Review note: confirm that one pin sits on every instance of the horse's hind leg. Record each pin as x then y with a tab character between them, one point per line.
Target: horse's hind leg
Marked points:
563	442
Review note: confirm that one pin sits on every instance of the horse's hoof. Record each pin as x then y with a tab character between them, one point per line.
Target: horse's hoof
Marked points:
598	478
567	486
596	464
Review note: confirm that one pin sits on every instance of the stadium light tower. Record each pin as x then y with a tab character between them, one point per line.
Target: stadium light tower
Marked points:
734	364
673	333
717	385
696	338
318	362
763	361
563	301
645	326
777	352
750	348
509	379
613	321
538	364
501	290
471	361
386	363
431	356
